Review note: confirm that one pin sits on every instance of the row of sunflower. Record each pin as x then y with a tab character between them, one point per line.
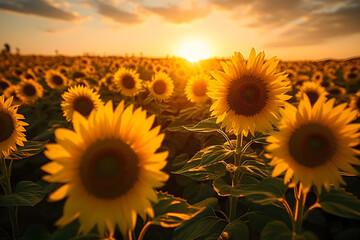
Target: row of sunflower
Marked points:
241	148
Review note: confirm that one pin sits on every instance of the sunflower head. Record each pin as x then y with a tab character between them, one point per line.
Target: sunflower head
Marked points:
12	128
197	87
314	143
248	94
11	92
313	90
352	76
81	99
29	91
161	86
355	103
109	166
317	77
55	80
127	81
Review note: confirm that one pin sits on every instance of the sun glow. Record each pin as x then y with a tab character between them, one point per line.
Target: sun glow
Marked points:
194	50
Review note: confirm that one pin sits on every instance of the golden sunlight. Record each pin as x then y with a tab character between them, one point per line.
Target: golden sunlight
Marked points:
194	50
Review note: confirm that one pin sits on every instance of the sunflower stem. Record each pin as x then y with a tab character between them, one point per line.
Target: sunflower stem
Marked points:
236	176
158	111
5	171
143	230
300	197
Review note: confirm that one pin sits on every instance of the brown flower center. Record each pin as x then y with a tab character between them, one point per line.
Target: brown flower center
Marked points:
335	91
109	168
6	125
312	145
29	90
352	75
199	88
313	96
247	95
84	105
57	80
128	81
109	80
29	76
159	87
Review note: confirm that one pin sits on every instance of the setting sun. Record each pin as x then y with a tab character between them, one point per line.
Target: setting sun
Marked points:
194	50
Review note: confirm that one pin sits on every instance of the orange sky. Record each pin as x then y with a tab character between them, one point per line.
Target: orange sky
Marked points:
292	29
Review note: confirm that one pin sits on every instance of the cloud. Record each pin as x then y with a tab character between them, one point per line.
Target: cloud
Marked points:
323	24
116	14
174	14
41	8
229	4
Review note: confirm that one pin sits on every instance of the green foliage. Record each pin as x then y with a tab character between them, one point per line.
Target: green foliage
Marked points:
207	225
277	230
29	149
340	203
171	211
207	125
26	194
207	164
268	191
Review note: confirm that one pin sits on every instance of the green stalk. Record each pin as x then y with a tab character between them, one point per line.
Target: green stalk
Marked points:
236	177
8	191
300	197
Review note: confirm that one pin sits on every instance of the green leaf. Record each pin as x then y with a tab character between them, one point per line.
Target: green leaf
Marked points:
29	149
214	154
224	189
194	170
188	227
236	229
277	230
171	211
340	203
26	194
207	125
209	227
266	192
254	167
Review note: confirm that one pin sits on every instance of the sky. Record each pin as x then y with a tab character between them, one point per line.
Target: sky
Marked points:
288	29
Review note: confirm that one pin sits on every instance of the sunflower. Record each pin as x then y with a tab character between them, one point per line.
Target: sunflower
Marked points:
11	127
313	90
352	76
161	86
196	88
355	103
110	166
29	74
336	91
315	142
182	73
81	99
55	80
248	94
108	81
317	76
29	91
11	92
127	81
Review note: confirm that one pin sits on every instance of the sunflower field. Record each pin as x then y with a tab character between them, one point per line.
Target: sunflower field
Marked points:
248	147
